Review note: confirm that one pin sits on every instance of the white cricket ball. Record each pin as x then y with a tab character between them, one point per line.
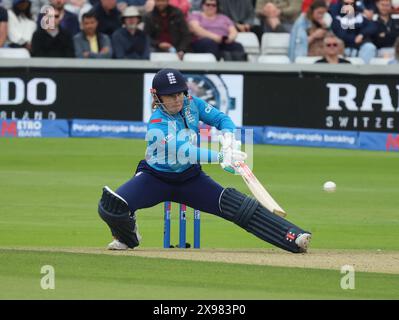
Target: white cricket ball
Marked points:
329	186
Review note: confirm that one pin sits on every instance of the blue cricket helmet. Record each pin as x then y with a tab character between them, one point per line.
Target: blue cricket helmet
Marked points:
169	81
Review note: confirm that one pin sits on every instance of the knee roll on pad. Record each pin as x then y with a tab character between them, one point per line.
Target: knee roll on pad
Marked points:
249	214
116	214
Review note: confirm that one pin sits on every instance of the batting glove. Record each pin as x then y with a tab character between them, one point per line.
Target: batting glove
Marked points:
230	152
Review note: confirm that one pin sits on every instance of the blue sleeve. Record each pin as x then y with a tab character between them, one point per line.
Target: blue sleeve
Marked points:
78	46
298	45
213	117
203	155
169	140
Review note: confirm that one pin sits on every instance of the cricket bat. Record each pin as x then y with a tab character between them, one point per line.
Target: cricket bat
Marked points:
257	189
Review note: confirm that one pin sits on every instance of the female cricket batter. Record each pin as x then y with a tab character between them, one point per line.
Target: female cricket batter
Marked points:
171	172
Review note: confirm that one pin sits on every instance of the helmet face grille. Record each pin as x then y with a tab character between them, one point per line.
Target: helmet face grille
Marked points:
169	81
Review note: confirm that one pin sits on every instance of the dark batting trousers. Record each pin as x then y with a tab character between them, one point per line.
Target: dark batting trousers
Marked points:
192	187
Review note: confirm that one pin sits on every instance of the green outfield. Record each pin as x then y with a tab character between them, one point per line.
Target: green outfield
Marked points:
49	191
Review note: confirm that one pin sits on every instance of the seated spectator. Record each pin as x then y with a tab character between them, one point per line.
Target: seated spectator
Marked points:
215	33
308	32
52	42
183	5
89	43
241	12
331	50
69	21
129	42
269	21
78	7
366	7
355	30
3	26
108	16
395	60
387	29
290	10
167	29
20	25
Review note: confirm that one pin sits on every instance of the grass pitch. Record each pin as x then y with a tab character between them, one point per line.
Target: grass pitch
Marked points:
49	189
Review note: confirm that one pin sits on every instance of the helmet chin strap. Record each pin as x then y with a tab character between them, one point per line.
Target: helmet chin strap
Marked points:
160	104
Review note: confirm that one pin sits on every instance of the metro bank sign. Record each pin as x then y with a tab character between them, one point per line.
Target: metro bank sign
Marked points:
21	129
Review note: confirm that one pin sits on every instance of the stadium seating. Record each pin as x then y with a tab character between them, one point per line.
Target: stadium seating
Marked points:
379	61
164	56
355	60
17	53
199	57
274	59
249	41
275	43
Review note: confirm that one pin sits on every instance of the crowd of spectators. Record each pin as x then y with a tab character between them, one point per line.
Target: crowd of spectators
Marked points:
132	29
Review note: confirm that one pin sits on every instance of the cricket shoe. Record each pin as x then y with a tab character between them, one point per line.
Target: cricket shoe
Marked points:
117	245
302	241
